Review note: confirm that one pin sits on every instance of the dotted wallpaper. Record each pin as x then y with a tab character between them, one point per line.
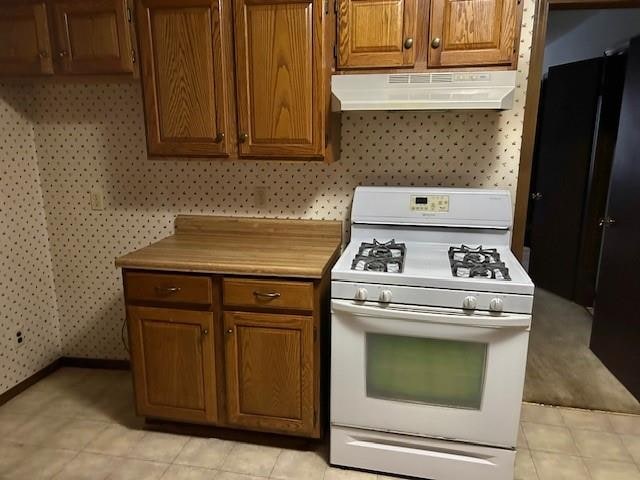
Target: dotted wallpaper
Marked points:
27	296
91	137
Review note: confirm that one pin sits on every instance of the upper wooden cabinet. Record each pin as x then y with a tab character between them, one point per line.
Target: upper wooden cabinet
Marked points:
25	46
92	36
377	33
184	76
272	102
279	77
473	32
85	37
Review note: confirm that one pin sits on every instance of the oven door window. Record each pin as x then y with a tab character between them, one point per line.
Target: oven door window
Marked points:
424	370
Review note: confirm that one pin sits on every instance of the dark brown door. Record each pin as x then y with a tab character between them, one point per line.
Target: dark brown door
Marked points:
92	36
562	165
279	77
377	33
173	363
615	338
183	77
25	45
473	32
269	368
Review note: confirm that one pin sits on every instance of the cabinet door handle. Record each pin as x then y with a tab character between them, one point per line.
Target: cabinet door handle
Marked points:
219	137
205	331
62	53
408	43
270	295
43	54
167	290
230	331
435	43
242	137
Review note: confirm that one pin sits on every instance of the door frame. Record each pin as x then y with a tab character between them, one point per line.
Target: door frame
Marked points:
532	101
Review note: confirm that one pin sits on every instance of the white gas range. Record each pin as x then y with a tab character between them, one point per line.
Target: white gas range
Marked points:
430	324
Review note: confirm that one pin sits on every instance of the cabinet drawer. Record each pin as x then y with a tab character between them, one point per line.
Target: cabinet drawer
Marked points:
168	288
268	293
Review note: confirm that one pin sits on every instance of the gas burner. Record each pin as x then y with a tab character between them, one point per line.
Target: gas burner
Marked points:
380	257
477	262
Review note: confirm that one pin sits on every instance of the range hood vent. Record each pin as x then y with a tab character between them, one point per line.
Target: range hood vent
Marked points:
424	91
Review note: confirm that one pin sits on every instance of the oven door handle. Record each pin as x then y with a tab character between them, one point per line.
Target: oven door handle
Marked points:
471	320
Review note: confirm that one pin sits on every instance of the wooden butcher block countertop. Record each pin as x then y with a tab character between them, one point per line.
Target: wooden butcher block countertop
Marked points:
237	245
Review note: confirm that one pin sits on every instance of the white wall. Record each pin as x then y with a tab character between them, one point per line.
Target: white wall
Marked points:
27	295
574	35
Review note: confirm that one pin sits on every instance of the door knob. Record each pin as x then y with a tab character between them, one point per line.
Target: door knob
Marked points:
435	43
536	196
242	137
219	137
408	43
606	222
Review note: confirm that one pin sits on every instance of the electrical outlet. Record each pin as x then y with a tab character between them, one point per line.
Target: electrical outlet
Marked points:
97	200
20	338
260	195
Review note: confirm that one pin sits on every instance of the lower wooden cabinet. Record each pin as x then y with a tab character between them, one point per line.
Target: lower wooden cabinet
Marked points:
269	371
203	351
173	363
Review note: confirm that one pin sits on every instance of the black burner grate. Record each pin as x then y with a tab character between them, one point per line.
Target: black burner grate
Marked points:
477	262
380	257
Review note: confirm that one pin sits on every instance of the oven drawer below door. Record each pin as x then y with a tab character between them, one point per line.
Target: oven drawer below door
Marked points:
419	457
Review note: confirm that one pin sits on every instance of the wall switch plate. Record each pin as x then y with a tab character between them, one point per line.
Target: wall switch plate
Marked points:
260	196
97	200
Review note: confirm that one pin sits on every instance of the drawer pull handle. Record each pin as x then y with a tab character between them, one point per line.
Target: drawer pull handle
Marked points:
270	295
167	290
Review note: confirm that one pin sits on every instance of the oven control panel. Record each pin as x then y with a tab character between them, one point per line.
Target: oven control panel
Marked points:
430	203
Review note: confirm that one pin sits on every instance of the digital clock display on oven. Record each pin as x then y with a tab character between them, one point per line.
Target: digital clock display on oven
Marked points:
430	203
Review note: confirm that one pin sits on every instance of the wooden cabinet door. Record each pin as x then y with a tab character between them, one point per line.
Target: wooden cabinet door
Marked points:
269	370
25	46
92	36
183	77
279	77
173	363
377	33
472	32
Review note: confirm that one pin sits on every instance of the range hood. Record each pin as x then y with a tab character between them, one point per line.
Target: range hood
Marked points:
491	90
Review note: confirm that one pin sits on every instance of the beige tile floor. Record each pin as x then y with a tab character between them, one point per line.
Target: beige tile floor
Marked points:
79	424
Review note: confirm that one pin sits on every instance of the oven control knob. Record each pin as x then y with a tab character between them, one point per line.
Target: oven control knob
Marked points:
496	305
470	303
385	296
361	294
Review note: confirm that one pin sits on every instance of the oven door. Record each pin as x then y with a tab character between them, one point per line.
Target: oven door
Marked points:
435	372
